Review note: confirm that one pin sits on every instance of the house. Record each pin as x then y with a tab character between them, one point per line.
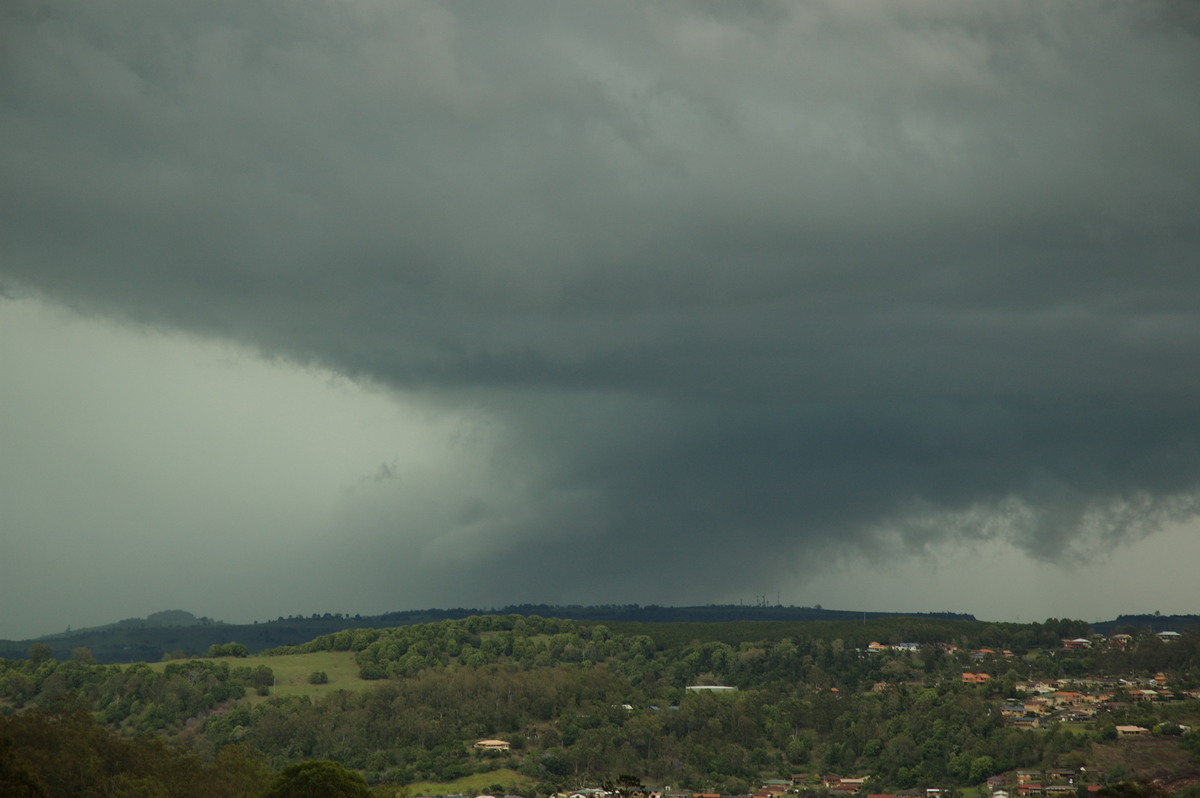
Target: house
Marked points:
1132	731
1066	698
1036	706
1077	644
493	745
975	678
1037	686
1169	637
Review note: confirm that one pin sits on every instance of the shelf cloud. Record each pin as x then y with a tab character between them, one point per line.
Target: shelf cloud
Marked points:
687	297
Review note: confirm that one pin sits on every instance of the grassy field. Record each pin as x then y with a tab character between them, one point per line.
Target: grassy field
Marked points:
1148	758
292	672
475	784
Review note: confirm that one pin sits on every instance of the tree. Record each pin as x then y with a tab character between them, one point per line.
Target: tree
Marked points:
83	655
40	652
318	677
228	650
981	768
318	780
16	778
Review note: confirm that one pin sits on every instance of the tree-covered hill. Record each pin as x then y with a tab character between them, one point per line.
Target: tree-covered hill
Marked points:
179	632
579	702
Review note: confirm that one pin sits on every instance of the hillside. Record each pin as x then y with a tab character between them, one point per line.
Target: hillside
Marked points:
577	702
177	632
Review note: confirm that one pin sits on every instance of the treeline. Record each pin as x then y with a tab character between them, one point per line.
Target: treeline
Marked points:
60	752
178	632
135	698
138	640
1147	622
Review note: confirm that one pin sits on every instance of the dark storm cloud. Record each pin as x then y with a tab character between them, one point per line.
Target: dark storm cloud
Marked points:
740	281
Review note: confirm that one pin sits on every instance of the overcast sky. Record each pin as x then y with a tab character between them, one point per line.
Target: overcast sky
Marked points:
365	306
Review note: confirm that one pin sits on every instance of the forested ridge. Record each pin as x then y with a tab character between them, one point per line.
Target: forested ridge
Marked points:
581	702
176	631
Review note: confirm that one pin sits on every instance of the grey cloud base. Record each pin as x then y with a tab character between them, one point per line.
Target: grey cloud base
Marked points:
739	283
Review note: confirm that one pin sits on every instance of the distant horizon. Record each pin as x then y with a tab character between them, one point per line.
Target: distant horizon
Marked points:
71	629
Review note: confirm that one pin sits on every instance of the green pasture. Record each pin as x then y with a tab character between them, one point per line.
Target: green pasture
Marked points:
475	784
292	672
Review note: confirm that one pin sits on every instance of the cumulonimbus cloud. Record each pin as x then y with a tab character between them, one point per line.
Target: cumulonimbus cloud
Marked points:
734	280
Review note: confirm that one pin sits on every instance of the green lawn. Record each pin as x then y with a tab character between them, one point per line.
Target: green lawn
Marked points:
474	784
292	672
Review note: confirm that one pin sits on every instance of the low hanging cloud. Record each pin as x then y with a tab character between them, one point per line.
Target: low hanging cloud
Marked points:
732	283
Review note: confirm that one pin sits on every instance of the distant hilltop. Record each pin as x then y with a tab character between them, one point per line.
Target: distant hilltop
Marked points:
177	633
163	619
174	618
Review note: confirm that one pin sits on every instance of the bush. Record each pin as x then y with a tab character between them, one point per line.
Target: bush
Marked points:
318	677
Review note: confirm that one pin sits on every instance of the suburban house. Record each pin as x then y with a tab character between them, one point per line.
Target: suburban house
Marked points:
1132	731
1066	698
492	745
